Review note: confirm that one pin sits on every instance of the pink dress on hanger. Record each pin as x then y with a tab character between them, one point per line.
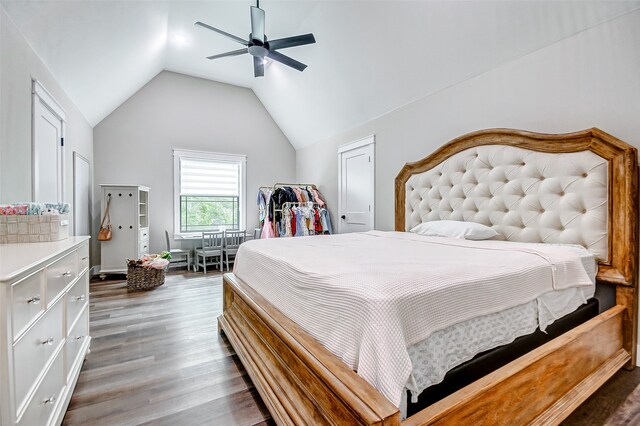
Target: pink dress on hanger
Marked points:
267	229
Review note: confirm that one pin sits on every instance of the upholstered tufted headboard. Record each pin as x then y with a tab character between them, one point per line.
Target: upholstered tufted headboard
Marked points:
578	188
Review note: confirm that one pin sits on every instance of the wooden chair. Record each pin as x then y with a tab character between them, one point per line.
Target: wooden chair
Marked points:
178	256
212	244
232	242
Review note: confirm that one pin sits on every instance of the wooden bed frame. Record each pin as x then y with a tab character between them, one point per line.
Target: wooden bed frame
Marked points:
301	382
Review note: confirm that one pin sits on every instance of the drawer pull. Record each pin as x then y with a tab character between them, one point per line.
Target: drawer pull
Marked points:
66	273
50	400
79	337
80	298
49	341
34	300
85	258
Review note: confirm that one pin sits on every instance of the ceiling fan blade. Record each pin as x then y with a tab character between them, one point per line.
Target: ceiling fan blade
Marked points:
257	24
258	67
283	43
232	53
276	56
224	33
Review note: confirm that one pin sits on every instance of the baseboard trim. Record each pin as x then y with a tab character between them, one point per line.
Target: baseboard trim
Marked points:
95	270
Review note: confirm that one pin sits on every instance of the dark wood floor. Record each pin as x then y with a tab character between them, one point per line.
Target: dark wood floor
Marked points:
157	359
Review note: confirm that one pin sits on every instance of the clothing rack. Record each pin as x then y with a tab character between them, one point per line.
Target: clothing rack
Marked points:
289	204
301	185
273	212
281	185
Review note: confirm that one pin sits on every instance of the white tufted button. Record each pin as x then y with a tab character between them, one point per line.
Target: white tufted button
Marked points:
584	175
561	194
584	211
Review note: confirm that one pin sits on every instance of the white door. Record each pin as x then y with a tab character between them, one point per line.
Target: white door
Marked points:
81	195
356	186
48	162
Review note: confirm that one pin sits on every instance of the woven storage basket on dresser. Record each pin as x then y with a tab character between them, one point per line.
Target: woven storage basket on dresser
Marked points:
141	278
33	228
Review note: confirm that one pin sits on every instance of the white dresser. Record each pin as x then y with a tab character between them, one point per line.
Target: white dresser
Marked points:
129	223
44	334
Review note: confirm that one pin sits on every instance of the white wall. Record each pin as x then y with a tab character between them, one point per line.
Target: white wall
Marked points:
134	144
19	64
591	79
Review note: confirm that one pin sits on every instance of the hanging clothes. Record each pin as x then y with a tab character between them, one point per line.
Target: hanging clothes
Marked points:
294	211
318	197
267	229
293	222
318	222
301	228
309	195
297	191
326	221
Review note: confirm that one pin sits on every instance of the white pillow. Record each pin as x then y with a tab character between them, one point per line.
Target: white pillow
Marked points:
455	229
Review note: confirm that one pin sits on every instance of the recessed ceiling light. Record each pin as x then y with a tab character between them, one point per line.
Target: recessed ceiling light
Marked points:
180	39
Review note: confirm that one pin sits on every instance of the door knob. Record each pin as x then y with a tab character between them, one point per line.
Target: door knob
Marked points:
343	217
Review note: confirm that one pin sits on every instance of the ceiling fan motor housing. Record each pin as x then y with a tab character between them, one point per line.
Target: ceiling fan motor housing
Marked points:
257	48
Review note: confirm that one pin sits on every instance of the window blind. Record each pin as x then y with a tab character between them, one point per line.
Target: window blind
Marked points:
208	177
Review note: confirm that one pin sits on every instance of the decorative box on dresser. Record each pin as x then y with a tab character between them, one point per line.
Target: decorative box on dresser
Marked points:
44	328
129	224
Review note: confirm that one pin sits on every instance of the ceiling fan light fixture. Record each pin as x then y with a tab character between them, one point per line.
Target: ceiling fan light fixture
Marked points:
180	39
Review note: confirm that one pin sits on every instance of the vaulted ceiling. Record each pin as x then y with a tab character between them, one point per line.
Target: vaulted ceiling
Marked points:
371	57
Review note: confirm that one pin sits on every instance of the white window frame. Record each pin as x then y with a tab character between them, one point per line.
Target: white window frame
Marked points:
239	159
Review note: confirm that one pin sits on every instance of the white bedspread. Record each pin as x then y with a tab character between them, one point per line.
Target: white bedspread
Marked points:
368	296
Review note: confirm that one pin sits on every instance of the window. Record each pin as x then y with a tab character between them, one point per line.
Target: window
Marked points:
209	191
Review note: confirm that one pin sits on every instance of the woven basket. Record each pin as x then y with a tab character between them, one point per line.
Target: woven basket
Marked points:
33	228
141	278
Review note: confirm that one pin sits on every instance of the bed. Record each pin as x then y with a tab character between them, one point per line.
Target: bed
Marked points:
504	179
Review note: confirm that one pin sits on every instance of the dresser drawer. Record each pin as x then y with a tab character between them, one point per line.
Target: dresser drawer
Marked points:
35	348
83	258
76	299
60	274
75	339
144	247
46	397
27	300
143	234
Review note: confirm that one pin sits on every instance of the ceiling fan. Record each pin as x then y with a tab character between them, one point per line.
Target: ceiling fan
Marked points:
259	47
